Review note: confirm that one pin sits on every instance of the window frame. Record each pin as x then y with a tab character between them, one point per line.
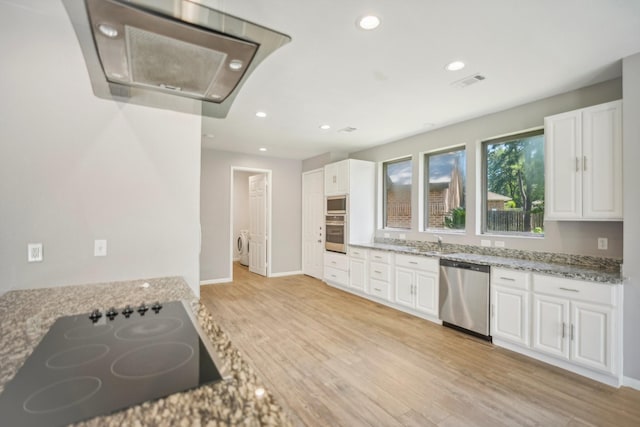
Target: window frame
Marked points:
383	176
425	189
482	217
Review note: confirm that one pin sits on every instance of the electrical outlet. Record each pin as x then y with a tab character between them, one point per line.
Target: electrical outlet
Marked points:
603	243
387	235
402	236
485	243
34	252
499	244
100	248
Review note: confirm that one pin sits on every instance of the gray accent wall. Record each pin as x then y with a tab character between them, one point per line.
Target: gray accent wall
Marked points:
631	268
215	187
75	168
566	237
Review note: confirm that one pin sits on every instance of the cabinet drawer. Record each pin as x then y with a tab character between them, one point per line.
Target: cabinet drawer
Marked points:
510	278
575	289
357	253
338	261
379	256
379	289
379	271
334	275
418	262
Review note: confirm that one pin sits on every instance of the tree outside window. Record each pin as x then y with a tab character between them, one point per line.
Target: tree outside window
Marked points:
397	193
445	190
514	184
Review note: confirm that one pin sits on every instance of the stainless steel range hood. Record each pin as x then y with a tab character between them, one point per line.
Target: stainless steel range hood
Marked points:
147	52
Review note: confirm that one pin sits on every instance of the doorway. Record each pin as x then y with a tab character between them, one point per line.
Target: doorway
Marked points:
313	233
251	211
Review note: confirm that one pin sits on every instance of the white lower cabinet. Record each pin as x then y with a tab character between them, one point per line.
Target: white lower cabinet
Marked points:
577	321
357	274
510	314
416	289
336	268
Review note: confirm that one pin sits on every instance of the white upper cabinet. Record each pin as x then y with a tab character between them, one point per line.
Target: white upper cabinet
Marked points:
583	164
336	178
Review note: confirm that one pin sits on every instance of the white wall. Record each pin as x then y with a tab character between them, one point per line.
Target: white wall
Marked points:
240	206
214	211
631	149
565	237
74	168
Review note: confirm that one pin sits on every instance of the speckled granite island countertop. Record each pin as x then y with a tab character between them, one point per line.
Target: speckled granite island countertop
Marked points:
595	272
26	315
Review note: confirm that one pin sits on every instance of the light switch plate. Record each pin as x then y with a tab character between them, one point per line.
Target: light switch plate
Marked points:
603	243
485	242
100	248
402	236
499	244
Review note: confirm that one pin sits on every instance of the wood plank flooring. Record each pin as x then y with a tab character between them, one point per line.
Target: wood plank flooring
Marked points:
334	359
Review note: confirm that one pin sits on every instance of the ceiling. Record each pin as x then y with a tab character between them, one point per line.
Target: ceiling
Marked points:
391	82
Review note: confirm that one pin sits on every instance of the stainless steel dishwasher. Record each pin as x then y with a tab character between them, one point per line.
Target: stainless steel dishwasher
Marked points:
464	297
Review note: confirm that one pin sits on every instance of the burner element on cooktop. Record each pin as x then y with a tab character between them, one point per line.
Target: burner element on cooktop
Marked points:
111	313
95	315
156	307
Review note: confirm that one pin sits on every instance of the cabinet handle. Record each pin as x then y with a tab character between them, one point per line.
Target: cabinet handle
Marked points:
492	311
377	271
376	289
333	275
508	278
577	164
584	163
377	257
333	262
413	262
563	326
334	179
569	289
571	332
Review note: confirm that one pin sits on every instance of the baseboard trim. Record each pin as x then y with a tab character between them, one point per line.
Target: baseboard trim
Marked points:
631	382
215	281
287	273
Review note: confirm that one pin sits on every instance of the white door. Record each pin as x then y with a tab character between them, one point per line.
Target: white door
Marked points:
258	224
591	333
509	315
426	290
404	286
551	325
313	224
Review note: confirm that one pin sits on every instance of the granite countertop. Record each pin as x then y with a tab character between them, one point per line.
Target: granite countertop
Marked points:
26	316
569	271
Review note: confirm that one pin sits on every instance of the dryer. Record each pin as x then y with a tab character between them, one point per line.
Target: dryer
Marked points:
243	247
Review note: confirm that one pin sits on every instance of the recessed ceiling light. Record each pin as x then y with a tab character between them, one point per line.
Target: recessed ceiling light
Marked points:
325	127
261	114
263	149
455	66
368	22
108	30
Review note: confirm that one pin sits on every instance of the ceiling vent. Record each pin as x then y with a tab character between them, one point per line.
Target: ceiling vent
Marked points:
468	81
348	129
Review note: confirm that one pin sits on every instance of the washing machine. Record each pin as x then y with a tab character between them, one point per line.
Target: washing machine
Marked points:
243	247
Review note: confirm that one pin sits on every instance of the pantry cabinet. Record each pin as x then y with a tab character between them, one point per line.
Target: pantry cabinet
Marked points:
583	164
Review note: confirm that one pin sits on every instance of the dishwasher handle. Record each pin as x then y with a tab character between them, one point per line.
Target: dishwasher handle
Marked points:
464	265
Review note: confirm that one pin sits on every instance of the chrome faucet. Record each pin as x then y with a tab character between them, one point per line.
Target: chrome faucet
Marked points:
439	243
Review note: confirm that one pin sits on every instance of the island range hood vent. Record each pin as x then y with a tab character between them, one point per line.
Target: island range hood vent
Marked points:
176	47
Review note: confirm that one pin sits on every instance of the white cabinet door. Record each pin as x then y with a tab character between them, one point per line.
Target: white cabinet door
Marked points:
357	274
550	325
404	286
426	292
563	153
510	315
336	178
258	224
591	335
602	161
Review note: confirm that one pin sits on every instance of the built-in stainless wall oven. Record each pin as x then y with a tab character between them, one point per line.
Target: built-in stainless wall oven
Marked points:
337	205
336	233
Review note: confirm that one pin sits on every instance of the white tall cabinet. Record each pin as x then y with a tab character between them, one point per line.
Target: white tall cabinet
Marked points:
583	164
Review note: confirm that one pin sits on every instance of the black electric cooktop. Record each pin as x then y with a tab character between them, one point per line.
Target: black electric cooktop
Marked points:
100	362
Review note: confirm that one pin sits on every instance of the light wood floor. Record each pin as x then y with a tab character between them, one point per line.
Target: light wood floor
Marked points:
334	359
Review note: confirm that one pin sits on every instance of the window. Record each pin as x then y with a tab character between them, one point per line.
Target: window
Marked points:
445	184
513	185
397	193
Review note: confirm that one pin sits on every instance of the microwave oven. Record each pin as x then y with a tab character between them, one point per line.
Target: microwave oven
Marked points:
336	205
